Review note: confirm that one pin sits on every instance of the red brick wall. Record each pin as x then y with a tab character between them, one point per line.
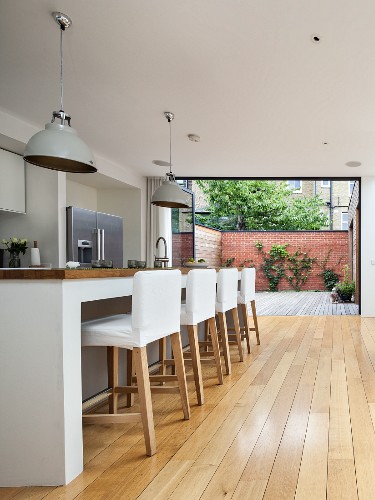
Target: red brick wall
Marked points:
208	245
241	246
216	247
182	247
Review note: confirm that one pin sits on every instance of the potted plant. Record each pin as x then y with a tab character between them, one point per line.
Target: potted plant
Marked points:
345	288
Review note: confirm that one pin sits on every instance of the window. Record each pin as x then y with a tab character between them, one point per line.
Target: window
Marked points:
351	187
326	184
344	220
182	182
295	185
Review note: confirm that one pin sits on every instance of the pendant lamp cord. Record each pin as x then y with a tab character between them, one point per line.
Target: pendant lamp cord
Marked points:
61	70
170	146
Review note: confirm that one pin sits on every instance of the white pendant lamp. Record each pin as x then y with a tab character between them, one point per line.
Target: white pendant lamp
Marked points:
169	194
58	147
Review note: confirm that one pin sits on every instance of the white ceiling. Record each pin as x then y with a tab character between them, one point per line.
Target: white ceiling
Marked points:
242	74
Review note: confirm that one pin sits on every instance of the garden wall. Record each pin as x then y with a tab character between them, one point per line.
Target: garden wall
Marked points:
208	245
182	247
216	247
241	246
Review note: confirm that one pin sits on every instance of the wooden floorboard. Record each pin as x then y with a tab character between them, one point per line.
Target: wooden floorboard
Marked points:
301	304
295	419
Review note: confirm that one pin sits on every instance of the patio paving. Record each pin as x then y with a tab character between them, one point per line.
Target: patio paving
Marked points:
301	304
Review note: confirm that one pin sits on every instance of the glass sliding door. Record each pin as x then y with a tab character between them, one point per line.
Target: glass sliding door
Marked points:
183	232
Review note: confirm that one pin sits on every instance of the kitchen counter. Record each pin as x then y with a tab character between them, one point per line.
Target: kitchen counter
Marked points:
74	274
40	357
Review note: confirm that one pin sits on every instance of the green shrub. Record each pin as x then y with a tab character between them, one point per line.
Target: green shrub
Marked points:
345	288
330	278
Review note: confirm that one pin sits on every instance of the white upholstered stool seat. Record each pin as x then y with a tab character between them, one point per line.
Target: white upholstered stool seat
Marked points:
155	315
246	297
114	330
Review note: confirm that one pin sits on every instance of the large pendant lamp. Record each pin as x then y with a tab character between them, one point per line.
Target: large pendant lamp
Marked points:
58	147
169	194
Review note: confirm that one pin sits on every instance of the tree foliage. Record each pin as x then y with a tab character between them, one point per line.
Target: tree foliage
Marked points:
259	205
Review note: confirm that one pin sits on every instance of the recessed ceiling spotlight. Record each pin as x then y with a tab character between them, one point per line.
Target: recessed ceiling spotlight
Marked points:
353	163
161	163
194	138
315	38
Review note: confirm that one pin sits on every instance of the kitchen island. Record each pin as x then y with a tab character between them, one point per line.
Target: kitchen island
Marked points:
40	359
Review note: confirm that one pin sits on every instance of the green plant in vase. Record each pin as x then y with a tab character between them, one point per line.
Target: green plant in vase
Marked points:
345	288
15	246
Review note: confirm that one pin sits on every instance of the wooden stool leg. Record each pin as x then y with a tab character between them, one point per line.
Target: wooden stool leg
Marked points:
130	372
196	360
224	341
145	402
216	348
236	323
246	325
180	372
255	319
162	355
112	364
206	334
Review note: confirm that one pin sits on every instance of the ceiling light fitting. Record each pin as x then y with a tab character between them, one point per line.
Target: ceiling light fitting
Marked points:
194	138
169	194
353	163
58	147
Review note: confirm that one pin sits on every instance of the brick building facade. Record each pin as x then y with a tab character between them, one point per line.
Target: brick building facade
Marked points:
336	195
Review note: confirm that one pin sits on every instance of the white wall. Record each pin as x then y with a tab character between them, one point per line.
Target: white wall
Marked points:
367	246
44	220
78	195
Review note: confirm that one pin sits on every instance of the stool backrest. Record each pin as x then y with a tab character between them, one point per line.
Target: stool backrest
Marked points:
247	292
227	284
200	295
156	304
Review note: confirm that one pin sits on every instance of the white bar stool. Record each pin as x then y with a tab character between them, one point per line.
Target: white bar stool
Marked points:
246	296
155	314
200	306
226	300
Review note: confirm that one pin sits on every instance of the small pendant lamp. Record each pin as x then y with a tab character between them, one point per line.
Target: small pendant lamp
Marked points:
58	147
169	194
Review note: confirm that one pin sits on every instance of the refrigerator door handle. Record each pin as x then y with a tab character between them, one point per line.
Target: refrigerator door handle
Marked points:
102	243
98	244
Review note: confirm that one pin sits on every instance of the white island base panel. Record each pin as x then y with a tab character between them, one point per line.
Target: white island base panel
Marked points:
40	383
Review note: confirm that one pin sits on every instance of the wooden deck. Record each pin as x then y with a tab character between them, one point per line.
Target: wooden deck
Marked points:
301	304
295	420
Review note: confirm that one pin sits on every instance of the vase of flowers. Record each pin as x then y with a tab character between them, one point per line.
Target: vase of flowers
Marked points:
15	246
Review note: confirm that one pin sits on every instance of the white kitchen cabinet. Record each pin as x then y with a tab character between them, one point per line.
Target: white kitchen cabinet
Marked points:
12	182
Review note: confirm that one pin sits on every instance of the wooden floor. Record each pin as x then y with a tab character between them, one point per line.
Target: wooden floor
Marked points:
294	420
301	304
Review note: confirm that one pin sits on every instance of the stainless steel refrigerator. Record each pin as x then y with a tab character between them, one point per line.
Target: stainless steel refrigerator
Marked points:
94	236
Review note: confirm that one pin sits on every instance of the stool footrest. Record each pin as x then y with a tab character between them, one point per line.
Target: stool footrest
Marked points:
118	418
160	389
163	378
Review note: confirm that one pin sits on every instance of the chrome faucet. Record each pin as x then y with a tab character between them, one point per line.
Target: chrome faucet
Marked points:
164	260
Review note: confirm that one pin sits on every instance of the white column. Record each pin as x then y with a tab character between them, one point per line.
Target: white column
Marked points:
368	246
40	385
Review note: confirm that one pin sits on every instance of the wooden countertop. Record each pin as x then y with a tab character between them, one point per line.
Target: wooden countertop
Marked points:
72	274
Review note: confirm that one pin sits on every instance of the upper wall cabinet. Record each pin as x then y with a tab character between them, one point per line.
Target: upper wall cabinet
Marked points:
12	182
